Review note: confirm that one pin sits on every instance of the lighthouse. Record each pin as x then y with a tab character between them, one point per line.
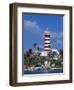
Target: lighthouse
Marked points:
47	46
47	42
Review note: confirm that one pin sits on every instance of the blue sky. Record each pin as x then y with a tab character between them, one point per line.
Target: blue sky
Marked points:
36	24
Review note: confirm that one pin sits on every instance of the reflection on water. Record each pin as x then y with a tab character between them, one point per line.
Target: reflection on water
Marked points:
43	71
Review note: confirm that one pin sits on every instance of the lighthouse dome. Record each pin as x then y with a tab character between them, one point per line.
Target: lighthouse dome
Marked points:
47	33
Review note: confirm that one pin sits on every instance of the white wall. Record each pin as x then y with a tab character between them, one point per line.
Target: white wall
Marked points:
4	46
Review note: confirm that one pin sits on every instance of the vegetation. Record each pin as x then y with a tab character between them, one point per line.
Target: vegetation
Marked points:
33	58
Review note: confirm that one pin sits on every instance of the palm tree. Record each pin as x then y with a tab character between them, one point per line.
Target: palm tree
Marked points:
61	53
30	51
35	45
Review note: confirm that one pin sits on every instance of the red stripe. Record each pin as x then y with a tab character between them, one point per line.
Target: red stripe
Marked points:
47	46
47	43
46	39
47	35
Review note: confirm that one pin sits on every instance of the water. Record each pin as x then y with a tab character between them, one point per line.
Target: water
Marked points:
43	71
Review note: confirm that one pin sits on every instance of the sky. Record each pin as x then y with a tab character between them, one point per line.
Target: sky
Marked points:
36	24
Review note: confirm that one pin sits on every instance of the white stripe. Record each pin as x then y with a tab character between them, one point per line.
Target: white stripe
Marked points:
46	38
47	41
46	48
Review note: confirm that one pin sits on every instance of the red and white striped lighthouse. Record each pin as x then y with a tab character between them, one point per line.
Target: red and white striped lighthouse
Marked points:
47	41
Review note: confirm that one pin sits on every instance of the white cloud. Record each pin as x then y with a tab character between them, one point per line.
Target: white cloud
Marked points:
35	28
32	25
58	35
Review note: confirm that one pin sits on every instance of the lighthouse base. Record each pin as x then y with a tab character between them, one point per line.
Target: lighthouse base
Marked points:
44	53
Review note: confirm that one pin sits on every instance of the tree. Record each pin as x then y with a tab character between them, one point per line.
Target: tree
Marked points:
35	45
30	51
38	48
61	53
50	55
27	57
